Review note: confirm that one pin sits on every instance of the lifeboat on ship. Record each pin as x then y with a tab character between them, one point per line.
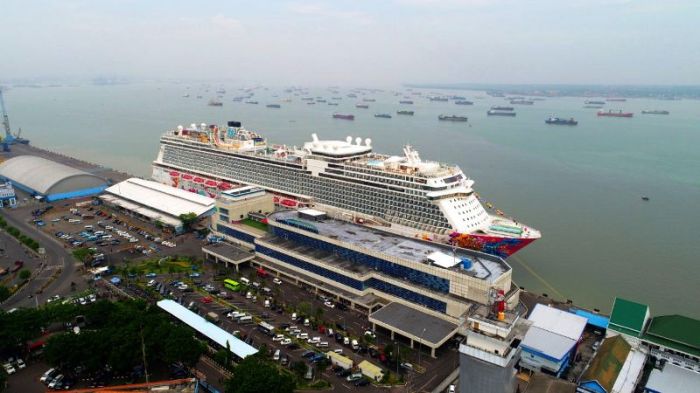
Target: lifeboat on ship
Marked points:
198	180
186	176
225	186
210	183
174	174
289	202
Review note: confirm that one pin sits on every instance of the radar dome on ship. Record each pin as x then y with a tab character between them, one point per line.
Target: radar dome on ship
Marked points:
348	139
314	137
368	142
358	140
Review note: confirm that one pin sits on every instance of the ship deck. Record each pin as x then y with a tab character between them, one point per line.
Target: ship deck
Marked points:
484	266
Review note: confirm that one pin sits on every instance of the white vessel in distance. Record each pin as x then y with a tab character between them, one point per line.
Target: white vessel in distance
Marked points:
402	194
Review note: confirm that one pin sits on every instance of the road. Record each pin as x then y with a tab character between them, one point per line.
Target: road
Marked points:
56	257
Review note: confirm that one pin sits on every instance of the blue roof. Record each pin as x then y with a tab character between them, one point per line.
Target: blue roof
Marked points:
596	320
213	332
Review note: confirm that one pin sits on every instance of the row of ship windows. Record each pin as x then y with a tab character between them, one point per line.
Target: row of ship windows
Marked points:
412	209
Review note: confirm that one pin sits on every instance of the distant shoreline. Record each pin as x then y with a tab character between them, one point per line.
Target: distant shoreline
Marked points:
567	90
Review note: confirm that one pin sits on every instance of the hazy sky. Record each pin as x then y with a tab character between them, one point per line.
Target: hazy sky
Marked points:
358	42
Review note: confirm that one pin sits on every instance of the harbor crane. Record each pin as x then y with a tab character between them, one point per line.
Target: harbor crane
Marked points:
9	139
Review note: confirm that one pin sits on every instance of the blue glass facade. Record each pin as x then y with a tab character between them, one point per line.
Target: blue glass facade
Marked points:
391	269
235	233
374	283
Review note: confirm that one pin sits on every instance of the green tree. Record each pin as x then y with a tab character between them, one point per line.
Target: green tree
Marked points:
3	380
24	274
255	374
187	220
4	293
304	308
299	368
318	314
180	345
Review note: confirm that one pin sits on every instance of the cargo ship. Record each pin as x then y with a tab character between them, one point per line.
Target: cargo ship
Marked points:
560	121
406	102
402	194
522	102
594	102
276	106
438	99
464	102
383	115
500	112
502	108
361	106
343	116
452	118
614	99
406	113
655	112
214	102
612	113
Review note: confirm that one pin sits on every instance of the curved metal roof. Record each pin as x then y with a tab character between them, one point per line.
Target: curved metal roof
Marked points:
41	174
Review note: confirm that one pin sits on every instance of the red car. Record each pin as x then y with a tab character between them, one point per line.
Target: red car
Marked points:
207	299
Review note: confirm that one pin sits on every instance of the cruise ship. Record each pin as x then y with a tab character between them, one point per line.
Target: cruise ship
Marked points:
401	194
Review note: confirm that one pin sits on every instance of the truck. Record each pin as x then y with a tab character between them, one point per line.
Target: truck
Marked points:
340	360
212	317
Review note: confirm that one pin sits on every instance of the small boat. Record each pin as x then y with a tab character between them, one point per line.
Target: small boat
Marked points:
407	113
343	116
452	118
612	113
496	112
213	102
645	198
383	115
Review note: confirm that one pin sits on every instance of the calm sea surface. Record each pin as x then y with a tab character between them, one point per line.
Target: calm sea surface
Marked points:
581	186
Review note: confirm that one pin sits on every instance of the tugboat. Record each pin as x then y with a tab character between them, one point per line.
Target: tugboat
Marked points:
407	113
560	121
452	118
383	115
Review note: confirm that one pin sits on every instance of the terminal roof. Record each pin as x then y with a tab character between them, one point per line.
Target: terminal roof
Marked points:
161	197
484	266
213	332
406	320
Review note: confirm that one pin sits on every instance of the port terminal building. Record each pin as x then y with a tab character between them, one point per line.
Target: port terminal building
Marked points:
49	180
413	288
157	203
7	195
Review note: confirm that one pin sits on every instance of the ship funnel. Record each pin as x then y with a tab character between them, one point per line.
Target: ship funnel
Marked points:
348	139
314	137
368	142
358	140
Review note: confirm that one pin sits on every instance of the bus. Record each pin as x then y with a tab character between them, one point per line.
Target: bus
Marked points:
232	285
266	328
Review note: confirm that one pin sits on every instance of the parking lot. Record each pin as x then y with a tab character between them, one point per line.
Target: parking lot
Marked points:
328	326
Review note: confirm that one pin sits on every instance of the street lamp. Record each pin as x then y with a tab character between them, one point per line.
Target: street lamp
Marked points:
420	345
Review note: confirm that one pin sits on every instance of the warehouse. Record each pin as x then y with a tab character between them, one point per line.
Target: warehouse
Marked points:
49	180
158	203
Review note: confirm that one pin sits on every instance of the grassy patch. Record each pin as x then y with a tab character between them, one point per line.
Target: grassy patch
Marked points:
164	265
255	224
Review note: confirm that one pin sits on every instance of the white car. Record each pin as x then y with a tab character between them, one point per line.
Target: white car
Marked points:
329	304
56	381
47	375
83	301
20	364
92	297
286	341
9	369
182	287
451	389
278	337
151	283
277	281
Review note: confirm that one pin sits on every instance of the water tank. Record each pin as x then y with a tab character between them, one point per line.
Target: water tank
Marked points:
234	124
466	263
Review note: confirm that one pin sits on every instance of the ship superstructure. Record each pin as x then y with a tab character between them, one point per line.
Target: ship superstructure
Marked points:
402	194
